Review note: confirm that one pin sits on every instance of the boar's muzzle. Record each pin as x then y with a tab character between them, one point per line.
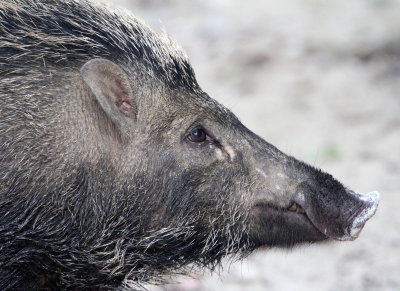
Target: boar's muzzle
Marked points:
296	203
342	216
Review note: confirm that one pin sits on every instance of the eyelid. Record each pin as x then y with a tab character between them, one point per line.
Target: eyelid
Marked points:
210	137
195	125
199	125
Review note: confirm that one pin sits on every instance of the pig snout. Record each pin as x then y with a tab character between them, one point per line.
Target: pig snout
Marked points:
370	203
342	216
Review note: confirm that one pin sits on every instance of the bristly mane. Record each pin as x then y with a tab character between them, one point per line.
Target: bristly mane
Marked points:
70	219
68	33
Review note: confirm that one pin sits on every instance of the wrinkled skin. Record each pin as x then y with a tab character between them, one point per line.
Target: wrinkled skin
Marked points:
116	171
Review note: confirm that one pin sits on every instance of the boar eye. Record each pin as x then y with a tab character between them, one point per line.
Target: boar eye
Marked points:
197	135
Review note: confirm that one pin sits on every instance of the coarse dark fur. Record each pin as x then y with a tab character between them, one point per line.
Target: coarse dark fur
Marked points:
102	196
62	220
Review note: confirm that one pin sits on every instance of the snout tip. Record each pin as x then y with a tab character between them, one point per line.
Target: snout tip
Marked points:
371	202
372	197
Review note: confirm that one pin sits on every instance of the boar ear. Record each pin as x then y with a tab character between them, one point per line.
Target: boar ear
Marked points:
110	84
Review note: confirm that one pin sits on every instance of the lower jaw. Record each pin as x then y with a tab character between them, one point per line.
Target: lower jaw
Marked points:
277	227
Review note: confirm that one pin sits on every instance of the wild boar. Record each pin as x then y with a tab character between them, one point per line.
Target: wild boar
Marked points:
117	169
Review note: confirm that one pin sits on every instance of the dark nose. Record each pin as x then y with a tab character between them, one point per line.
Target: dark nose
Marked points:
370	203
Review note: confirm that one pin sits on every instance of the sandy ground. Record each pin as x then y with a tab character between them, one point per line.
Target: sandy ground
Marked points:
321	81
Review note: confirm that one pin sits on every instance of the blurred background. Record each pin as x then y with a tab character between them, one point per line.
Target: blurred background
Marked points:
321	81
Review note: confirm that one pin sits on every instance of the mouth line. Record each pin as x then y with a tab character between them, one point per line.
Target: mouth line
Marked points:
293	211
290	225
293	208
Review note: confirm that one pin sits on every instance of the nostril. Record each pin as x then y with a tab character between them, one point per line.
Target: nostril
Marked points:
370	201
